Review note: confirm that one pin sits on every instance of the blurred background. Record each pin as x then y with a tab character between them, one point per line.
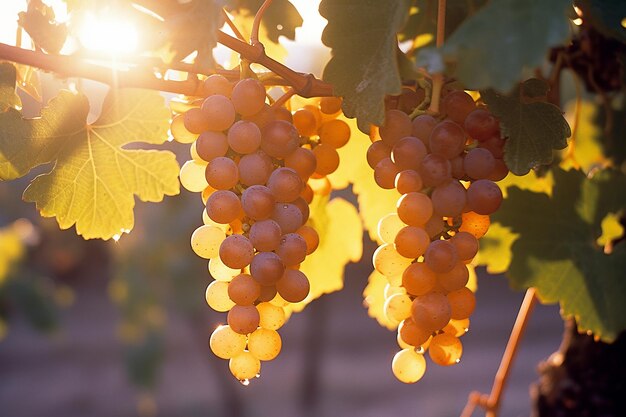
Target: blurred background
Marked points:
92	328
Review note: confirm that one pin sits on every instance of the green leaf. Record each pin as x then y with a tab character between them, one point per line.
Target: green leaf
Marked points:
364	66
493	47
556	251
534	128
8	97
94	179
280	19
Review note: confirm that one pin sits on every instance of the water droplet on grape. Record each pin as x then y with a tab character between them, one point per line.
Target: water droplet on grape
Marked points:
258	375
419	349
245	382
457	361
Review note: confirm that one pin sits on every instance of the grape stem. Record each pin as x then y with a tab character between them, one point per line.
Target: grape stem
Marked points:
256	24
143	76
438	78
284	98
491	403
232	25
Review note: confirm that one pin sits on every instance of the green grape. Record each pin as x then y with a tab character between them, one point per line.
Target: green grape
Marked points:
388	261
397	125
219	112
211	145
225	343
479	163
217	84
303	161
422	127
288	217
458	105
265	235
327	159
388	227
305	122
462	303
217	298
179	132
414	209
272	317
441	256
435	170
244	366
221	272
449	199
466	245
243	319
192	176
398	307
408	181
244	137
376	152
385	174
455	279
330	105
457	328
408	366
408	153
248	97
447	139
222	173
335	133
206	241
264	344
267	268
223	206
280	138
484	197
285	184
412	334
475	224
195	121
311	238
411	242
445	349
293	286
258	202
236	251
480	124
255	169
418	279
292	249
430	311
244	290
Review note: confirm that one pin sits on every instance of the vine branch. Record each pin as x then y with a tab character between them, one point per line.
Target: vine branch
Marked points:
438	79
256	24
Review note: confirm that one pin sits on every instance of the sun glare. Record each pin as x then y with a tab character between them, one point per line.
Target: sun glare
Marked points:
108	34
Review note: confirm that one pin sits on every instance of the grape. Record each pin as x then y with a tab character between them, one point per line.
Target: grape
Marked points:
376	152
398	307
206	241
422	127
441	256
236	252
179	131
271	317
243	319
217	84
458	170
479	163
408	366
500	171
495	145
268	292
303	161
280	138
388	261
222	173
412	334
307	193
244	366
288	217
411	242
244	290
466	245
484	197
435	170
195	120
303	206
335	133
311	238
263	117
408	153
292	249
447	139
388	227
285	184
430	311
293	286
255	169
408	181
223	206
410	99
462	303
457	328
221	272
320	186
418	279
391	290
330	105
449	199
258	202
248	97
264	344
434	226
225	343
305	122
327	159
217	296
219	112
385	174
267	268
445	349
210	145
316	113
397	125
282	113
244	137
481	125
414	209
192	176
458	105
265	235
475	224
455	279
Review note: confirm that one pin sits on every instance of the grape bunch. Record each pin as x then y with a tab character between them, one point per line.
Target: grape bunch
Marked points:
254	166
445	171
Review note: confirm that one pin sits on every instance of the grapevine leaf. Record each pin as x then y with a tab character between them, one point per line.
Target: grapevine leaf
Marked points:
339	227
556	251
39	22
587	152
8	97
606	16
534	128
281	19
374	299
495	249
94	178
493	47
364	66
374	202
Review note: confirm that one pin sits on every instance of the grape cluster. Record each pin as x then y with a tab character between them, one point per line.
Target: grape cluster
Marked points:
254	166
445	171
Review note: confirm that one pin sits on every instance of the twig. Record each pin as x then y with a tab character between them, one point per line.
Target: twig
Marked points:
232	25
256	24
283	99
438	78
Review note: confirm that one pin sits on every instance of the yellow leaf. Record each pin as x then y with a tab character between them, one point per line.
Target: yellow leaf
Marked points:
585	150
339	227
529	182
374	299
495	249
612	229
472	283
